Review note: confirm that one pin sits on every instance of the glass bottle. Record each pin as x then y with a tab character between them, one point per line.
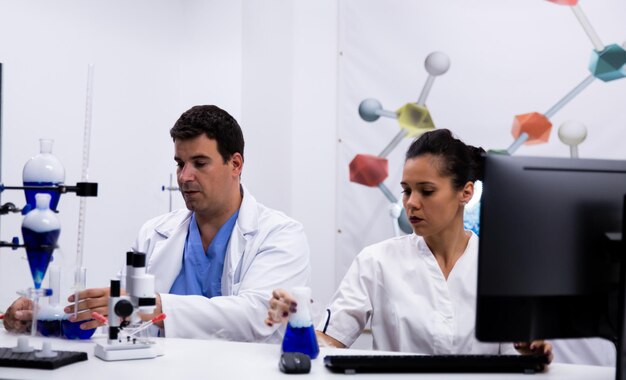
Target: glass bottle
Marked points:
40	231
300	334
49	316
44	169
72	330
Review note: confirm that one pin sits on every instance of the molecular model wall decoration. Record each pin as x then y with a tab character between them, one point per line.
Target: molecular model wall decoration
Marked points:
607	63
414	119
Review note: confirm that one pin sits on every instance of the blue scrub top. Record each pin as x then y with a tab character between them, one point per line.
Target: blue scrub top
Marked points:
201	273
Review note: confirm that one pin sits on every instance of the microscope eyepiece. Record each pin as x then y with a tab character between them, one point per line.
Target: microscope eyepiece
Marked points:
115	288
139	260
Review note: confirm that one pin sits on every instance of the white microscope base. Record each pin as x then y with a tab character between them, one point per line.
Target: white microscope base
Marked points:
111	352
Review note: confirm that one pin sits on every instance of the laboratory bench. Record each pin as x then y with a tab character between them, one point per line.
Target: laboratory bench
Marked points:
215	359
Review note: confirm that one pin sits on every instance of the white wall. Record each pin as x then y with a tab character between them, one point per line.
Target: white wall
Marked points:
152	63
210	44
314	143
289	117
266	100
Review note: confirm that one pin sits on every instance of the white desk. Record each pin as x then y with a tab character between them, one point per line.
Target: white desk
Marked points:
211	359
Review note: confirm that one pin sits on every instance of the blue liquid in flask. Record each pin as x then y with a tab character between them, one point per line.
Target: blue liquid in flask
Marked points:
301	339
72	330
49	327
30	194
49	320
39	258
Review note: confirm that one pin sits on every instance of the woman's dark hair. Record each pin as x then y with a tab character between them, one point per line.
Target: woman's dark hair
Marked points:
216	124
463	163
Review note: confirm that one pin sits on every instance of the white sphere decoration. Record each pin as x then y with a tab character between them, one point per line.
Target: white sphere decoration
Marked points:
395	210
369	109
437	63
572	133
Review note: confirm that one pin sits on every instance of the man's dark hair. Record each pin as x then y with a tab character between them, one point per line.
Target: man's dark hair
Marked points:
216	124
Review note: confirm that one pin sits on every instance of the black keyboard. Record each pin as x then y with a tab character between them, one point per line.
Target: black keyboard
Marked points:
435	363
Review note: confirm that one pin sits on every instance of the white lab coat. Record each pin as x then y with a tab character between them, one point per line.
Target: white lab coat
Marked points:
399	287
267	250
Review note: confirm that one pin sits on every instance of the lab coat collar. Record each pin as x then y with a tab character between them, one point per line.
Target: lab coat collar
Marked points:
243	234
169	226
248	220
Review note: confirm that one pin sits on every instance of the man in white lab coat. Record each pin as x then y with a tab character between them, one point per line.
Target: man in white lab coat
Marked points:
217	262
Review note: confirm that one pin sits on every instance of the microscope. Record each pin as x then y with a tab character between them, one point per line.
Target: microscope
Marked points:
124	341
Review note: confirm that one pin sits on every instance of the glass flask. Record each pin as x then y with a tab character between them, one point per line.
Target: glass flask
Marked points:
44	169
49	315
300	334
49	321
52	321
40	231
72	330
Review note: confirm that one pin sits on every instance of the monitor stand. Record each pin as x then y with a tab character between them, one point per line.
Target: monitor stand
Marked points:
620	342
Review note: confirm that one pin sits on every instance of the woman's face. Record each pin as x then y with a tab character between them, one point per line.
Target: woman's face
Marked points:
431	204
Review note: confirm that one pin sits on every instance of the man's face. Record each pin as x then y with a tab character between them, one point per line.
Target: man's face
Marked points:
207	183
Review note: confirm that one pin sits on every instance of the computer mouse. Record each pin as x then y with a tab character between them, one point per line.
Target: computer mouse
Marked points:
294	362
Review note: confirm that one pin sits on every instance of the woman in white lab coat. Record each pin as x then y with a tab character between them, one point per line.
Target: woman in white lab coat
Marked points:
418	291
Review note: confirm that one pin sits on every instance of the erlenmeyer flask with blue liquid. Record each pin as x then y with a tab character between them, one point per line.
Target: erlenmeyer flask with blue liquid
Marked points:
300	334
44	169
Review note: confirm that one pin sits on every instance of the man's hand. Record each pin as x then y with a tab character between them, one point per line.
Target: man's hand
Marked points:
157	311
19	315
89	300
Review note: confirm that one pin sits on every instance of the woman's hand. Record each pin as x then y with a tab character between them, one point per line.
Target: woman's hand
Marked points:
536	347
280	306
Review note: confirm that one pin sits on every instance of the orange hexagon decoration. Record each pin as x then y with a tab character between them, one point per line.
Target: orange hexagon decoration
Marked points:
564	2
368	170
535	124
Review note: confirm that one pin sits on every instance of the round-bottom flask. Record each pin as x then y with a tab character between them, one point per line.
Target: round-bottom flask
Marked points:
72	330
49	321
44	169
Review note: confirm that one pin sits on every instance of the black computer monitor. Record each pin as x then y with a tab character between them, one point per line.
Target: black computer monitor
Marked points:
551	249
